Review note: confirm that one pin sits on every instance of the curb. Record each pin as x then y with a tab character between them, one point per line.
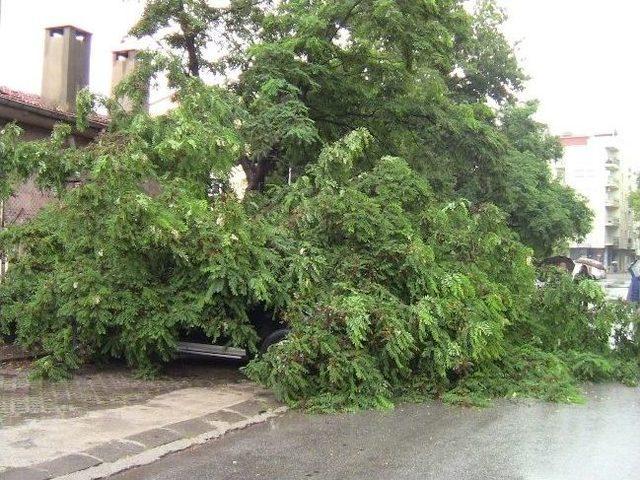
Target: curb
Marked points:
146	447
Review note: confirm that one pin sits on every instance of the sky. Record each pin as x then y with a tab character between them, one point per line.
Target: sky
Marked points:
583	58
22	24
581	55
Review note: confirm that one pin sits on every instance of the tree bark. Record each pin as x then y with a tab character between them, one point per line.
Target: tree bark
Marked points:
192	53
258	171
189	42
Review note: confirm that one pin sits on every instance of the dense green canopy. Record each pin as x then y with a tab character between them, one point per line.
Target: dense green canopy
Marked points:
432	82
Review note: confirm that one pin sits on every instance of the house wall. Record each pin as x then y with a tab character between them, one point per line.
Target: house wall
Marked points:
30	132
27	199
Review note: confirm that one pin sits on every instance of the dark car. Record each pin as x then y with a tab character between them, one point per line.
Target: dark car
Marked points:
270	331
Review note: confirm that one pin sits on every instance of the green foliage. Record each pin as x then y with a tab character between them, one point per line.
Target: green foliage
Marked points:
571	334
406	289
417	75
488	65
575	315
544	212
634	199
392	215
193	19
415	298
138	252
9	162
389	291
53	161
523	372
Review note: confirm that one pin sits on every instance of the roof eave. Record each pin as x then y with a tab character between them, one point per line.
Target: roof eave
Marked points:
43	117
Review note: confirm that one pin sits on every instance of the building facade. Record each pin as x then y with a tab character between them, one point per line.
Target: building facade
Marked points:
595	167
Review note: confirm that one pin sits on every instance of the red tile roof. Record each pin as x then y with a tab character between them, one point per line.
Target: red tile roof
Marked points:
570	141
36	101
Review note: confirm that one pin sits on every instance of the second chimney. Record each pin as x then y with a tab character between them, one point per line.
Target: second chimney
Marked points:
67	53
124	63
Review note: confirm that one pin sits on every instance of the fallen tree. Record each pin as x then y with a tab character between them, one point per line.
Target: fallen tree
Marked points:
404	296
142	248
389	292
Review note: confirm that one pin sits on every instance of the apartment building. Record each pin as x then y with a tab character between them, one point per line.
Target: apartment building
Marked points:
595	167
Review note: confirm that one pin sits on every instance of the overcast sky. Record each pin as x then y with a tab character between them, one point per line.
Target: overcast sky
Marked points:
22	24
582	55
583	58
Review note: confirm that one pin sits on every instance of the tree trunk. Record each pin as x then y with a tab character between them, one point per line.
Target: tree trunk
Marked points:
194	62
189	42
258	171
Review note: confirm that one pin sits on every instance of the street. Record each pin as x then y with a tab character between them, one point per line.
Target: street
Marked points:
523	440
616	285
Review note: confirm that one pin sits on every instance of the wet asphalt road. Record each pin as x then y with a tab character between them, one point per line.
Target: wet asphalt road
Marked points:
534	441
616	285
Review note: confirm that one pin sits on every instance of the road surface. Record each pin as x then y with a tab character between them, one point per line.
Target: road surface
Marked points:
616	285
529	440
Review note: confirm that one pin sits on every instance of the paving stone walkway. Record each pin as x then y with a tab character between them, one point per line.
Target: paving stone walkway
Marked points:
93	388
105	420
105	442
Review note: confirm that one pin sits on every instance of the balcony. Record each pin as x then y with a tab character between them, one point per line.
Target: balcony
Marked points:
613	159
613	242
612	165
613	222
612	203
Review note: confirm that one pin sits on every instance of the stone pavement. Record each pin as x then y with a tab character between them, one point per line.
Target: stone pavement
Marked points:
92	388
104	421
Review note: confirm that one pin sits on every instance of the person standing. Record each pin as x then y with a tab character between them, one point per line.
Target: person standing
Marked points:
633	294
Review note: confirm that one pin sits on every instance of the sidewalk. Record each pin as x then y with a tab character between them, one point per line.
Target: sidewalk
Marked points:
92	388
102	422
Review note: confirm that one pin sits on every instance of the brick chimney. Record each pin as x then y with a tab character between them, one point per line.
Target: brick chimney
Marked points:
67	52
124	63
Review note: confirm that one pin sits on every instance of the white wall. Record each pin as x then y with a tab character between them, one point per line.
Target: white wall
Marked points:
585	172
